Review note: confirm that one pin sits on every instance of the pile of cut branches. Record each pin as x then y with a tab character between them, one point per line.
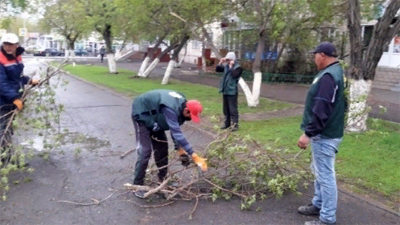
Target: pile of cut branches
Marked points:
238	167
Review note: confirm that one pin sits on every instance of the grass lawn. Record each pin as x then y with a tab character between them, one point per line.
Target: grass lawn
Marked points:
370	160
208	96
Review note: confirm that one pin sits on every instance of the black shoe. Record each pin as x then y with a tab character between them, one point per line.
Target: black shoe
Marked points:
318	222
171	184
309	210
224	127
140	194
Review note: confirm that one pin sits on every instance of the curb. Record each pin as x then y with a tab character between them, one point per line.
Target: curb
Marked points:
367	200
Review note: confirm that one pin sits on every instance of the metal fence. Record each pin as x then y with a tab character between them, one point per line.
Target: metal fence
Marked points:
277	77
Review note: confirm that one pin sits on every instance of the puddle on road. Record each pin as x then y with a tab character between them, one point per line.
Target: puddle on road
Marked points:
74	139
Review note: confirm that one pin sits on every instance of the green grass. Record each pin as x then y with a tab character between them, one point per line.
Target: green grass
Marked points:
370	160
208	96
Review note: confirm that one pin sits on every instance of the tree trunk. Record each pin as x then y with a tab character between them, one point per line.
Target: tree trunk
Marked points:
257	71
358	110
275	66
107	36
112	66
182	58
70	52
381	37
157	60
168	72
203	58
149	56
354	26
143	66
363	67
172	63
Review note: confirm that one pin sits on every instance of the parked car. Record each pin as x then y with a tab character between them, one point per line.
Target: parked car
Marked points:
48	52
81	52
30	49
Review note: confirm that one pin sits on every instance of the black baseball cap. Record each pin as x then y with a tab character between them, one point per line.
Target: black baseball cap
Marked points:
327	48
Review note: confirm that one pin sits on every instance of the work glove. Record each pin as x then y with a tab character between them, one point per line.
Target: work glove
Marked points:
201	162
183	157
19	104
34	82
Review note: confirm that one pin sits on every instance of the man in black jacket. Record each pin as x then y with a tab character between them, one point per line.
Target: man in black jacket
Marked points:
229	88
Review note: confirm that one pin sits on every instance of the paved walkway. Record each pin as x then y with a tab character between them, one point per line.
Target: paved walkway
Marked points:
283	92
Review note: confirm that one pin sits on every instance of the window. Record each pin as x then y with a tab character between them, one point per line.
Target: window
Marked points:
396	46
196	44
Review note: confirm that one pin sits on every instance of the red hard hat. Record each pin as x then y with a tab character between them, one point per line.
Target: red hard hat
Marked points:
195	109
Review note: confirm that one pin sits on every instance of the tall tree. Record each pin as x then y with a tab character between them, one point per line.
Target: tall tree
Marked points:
152	22
67	18
363	63
262	12
103	15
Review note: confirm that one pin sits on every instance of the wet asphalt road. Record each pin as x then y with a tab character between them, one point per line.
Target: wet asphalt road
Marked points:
101	119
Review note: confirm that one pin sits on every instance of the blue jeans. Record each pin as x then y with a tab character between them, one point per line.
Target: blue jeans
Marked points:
323	167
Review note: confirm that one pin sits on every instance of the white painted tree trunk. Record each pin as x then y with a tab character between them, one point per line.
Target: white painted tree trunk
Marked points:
112	66
151	67
182	59
143	66
252	98
167	74
256	89
247	92
203	58
70	54
358	110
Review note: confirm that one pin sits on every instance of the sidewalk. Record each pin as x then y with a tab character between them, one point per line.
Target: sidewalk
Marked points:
282	92
103	117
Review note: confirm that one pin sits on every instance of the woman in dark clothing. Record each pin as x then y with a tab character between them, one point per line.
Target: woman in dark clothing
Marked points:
229	89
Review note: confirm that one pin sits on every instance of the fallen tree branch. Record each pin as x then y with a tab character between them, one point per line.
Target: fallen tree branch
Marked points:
149	206
127	153
155	190
95	201
226	190
135	188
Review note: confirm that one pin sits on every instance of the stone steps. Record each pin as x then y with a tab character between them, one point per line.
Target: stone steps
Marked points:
387	78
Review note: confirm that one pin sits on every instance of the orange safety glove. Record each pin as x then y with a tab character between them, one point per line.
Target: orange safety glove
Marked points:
183	157
201	162
34	82
19	104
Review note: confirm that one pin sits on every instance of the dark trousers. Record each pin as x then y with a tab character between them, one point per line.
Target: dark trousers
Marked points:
5	136
145	144
102	56
230	104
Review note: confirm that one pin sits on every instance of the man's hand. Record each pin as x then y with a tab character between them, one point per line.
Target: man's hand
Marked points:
34	82
183	157
19	104
201	162
303	141
231	63
222	60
